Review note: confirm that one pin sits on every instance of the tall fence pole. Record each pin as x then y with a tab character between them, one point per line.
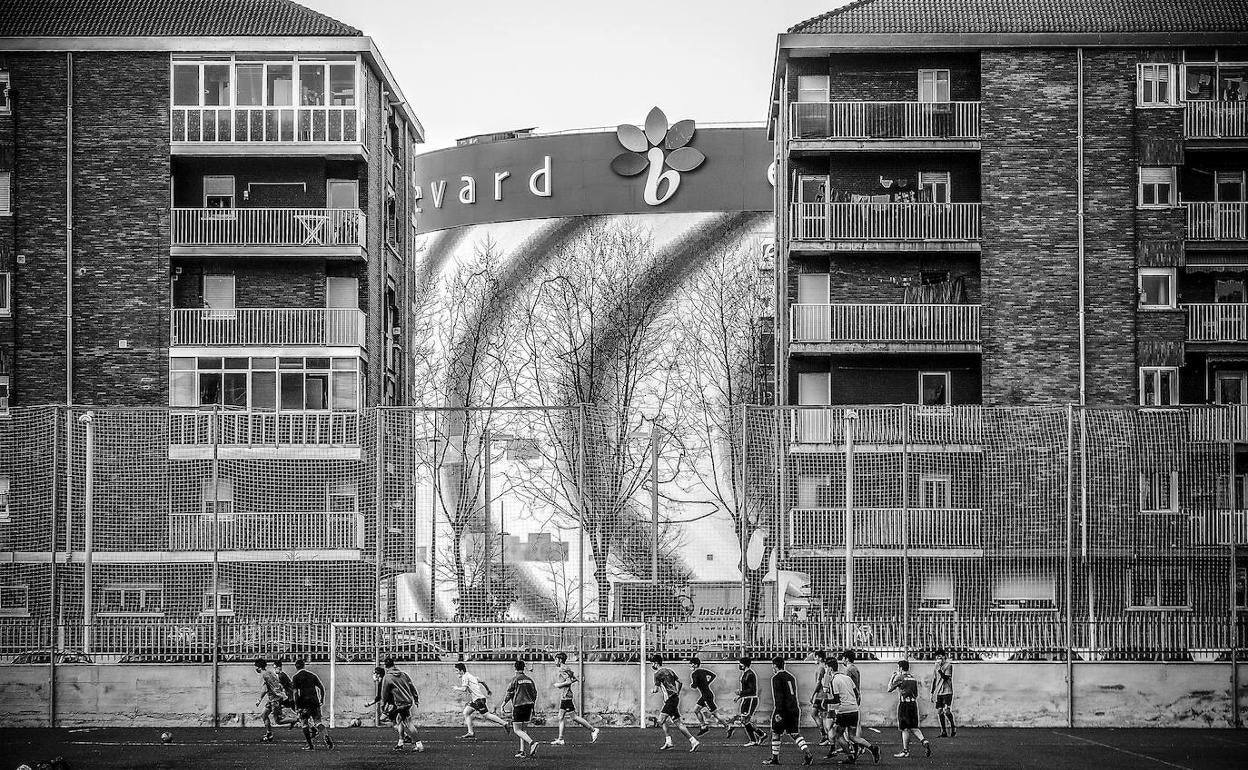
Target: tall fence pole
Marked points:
654	502
1234	537
216	564
52	576
581	503
379	525
88	533
433	527
905	531
487	446
851	418
743	522
1070	571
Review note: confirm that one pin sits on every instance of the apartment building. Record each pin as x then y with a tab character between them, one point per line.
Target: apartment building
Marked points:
206	218
1013	205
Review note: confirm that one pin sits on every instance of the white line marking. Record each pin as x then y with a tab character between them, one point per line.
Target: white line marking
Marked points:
1124	751
872	729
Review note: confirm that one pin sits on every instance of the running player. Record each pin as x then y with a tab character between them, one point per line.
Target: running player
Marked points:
398	698
700	679
747	703
309	695
522	694
272	695
787	717
845	701
478	693
845	661
567	706
942	692
907	688
819	698
666	680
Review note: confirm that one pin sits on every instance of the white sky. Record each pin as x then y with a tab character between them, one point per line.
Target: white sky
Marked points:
476	66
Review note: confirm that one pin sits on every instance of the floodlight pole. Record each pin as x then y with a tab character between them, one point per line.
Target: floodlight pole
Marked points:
654	501
851	419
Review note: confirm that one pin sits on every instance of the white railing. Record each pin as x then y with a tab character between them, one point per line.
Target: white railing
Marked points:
1215	120
885	120
268	227
1208	221
885	221
1217	424
264	124
1217	322
886	528
265	429
1218	528
265	531
890	425
267	326
885	323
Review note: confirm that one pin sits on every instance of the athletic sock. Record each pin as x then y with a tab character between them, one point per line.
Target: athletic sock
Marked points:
801	744
775	745
307	736
952	727
941	715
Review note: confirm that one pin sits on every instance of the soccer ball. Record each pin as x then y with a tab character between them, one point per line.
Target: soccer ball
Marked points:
166	737
355	722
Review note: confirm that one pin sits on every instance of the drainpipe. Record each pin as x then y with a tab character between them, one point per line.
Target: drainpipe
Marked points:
1083	351
1083	395
69	228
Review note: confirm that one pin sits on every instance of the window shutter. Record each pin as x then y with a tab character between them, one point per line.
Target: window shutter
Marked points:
1156	175
937	587
1023	587
933	177
6	178
219	292
218	186
342	292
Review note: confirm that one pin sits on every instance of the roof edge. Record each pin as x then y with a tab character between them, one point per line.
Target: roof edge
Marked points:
790	41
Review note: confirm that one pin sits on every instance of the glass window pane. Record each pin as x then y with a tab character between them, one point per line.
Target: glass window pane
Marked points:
280	82
182	364
1149	394
234	389
217	85
1168	387
1200	82
292	390
250	79
182	389
342	84
264	363
264	390
345	394
344	363
311	84
1155	290
317	391
210	363
186	85
318	363
291	363
209	388
236	363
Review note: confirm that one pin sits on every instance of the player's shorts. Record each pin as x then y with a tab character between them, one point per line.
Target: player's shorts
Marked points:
401	714
671	707
748	705
479	705
944	701
847	719
567	705
786	722
907	715
820	704
522	714
707	701
309	712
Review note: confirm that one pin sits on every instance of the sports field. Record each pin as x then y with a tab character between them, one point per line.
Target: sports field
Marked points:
1101	749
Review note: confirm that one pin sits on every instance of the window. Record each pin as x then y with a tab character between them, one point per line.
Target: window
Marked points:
1159	385
5	104
6	296
221	499
219	295
1241	586
812	88
4	394
934	388
218	192
1229	290
934	492
1155	85
1157	186
14	601
933	85
814	289
814	388
288	384
6	197
1159	492
342	293
5	512
224	604
342	498
1159	588
1024	591
937	593
935	184
133	599
1156	287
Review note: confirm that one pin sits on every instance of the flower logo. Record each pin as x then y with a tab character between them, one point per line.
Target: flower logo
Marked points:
650	150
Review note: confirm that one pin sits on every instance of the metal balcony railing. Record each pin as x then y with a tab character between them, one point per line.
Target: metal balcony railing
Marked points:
265	429
268	227
886	528
885	120
267	326
1217	322
1209	221
237	125
1215	120
884	221
885	323
890	425
265	531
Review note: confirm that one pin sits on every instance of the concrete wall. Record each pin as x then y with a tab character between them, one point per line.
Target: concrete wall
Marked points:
988	694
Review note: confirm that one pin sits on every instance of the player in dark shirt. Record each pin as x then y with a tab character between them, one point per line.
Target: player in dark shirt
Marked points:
665	680
700	679
787	716
907	688
522	694
747	703
309	694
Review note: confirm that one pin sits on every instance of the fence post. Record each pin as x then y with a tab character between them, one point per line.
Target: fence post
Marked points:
641	679
88	533
1070	609
56	454
379	505
1234	535
654	501
851	418
215	439
905	531
580	528
743	508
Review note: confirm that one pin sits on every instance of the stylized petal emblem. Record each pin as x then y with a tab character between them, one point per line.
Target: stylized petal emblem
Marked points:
678	135
629	163
632	138
685	158
657	146
656	126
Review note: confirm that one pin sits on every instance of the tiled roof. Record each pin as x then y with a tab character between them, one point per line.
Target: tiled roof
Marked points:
870	17
165	18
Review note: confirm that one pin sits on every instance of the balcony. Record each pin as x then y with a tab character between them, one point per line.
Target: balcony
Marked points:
884	226
818	126
889	428
1215	322
887	531
282	327
1219	423
1209	221
1215	120
268	232
193	434
329	131
318	530
848	328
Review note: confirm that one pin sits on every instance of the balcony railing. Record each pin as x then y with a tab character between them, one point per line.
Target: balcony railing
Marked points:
1217	322
268	326
265	531
1215	120
891	528
885	221
265	124
890	425
1208	221
1217	424
268	227
265	429
886	323
885	120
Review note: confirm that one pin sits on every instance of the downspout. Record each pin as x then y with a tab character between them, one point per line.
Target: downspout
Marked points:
69	228
1083	395
1083	319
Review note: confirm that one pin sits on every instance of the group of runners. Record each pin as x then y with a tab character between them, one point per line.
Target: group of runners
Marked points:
835	701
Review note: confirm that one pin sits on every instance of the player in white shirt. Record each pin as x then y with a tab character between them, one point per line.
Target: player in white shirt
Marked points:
478	705
567	707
